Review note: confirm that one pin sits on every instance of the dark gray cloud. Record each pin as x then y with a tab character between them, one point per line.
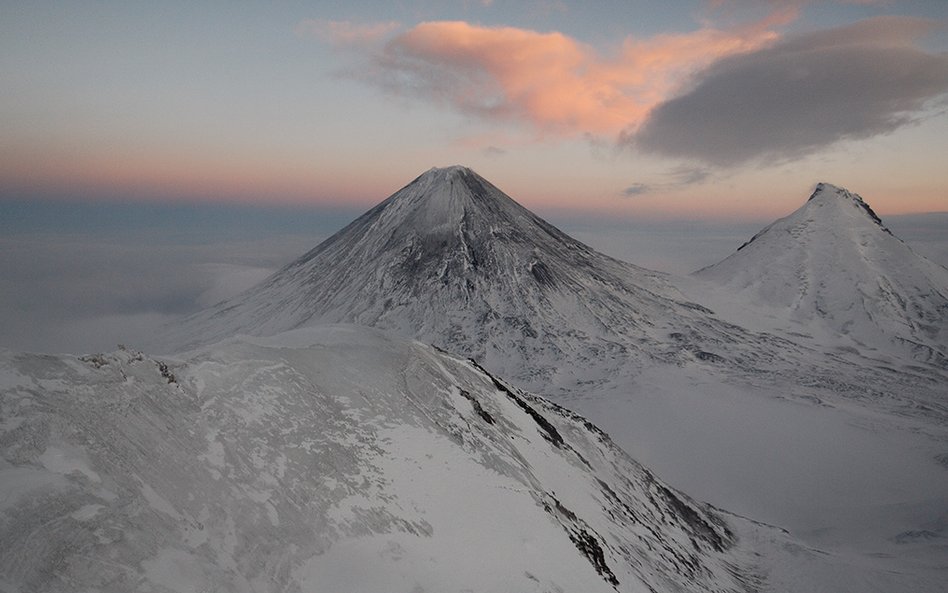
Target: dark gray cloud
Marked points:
801	95
637	189
688	175
677	178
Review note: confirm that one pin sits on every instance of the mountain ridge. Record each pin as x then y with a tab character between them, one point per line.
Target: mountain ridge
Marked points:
337	458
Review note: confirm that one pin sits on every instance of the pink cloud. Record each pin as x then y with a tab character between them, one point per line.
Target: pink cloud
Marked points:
558	85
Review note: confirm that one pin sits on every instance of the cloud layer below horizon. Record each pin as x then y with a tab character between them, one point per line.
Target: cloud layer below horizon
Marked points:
713	96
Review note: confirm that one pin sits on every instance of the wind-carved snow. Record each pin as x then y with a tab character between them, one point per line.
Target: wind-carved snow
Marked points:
832	266
329	459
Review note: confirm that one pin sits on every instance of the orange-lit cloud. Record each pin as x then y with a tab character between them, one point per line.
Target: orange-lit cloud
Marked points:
556	83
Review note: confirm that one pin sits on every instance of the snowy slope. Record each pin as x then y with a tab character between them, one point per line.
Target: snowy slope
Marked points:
453	261
362	451
844	447
832	265
328	459
862	482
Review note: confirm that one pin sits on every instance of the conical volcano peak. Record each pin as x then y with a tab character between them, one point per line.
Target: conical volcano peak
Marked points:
827	194
449	171
452	260
451	197
436	183
828	188
436	176
832	263
828	191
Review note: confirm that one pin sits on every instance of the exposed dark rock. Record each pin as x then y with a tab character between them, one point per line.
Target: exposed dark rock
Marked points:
478	408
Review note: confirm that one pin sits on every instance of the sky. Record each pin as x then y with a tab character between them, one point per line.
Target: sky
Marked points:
726	109
157	157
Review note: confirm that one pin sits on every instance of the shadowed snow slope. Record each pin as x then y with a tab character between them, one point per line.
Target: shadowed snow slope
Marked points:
451	260
832	263
326	459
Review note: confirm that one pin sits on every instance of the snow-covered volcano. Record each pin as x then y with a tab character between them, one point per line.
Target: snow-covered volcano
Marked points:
833	265
451	260
328	459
